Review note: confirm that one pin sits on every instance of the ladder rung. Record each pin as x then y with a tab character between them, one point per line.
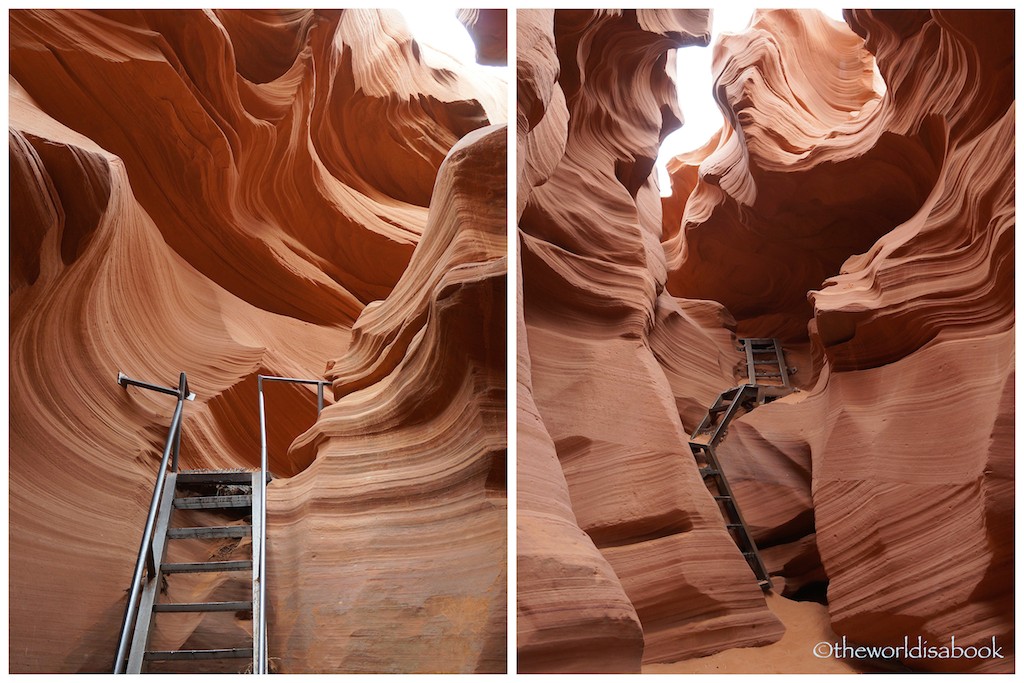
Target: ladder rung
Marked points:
233	606
191	567
203	477
721	498
734	525
211	502
210	532
719	409
708	472
768	374
228	653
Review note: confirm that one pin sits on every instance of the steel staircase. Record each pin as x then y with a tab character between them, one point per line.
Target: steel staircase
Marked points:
217	494
765	361
223	507
229	497
768	379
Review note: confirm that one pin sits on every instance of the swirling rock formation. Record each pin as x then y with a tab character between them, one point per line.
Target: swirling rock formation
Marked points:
226	193
865	218
894	206
622	554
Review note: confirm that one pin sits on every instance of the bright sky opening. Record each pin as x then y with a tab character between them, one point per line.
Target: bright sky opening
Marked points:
442	31
701	115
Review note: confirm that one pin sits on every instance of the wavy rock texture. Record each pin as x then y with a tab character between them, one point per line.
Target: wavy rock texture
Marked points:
894	207
623	556
225	193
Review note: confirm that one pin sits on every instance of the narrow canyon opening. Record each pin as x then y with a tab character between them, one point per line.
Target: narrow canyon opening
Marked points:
851	209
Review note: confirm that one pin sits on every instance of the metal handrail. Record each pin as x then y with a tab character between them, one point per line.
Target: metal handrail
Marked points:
147	555
260	649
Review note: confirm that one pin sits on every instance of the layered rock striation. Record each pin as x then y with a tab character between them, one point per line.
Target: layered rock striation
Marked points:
622	554
858	205
227	193
892	203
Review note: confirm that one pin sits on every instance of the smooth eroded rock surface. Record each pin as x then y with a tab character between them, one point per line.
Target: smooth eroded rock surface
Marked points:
868	220
230	193
858	204
603	464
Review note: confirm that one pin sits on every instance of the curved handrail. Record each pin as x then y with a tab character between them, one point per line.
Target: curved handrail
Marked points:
147	555
260	657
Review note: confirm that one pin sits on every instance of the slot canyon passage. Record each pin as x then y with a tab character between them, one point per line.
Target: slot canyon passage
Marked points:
233	193
869	230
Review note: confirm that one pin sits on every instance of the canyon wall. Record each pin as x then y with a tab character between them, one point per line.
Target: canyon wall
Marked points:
866	219
229	193
622	553
891	206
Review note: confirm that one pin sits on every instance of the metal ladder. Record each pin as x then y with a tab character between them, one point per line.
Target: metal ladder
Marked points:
712	429
714	479
226	493
231	493
766	352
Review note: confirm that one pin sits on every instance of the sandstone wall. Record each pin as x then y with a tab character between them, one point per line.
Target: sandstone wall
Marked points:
865	218
622	554
871	226
227	193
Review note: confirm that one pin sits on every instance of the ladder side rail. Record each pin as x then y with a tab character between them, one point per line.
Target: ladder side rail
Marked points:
730	413
146	558
260	654
705	423
259	563
748	348
723	481
783	369
140	638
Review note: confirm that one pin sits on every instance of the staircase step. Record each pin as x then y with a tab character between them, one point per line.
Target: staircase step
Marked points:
233	606
708	472
228	653
214	477
768	374
193	567
210	532
212	502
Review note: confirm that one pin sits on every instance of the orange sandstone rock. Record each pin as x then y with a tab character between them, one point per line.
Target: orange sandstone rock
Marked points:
893	206
226	193
605	476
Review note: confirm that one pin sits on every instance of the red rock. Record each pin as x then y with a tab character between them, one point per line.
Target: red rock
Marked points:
868	227
596	407
896	211
192	190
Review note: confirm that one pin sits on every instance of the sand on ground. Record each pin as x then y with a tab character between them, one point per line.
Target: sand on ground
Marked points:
807	624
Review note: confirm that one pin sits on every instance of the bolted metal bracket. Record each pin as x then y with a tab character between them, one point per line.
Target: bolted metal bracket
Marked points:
124	380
